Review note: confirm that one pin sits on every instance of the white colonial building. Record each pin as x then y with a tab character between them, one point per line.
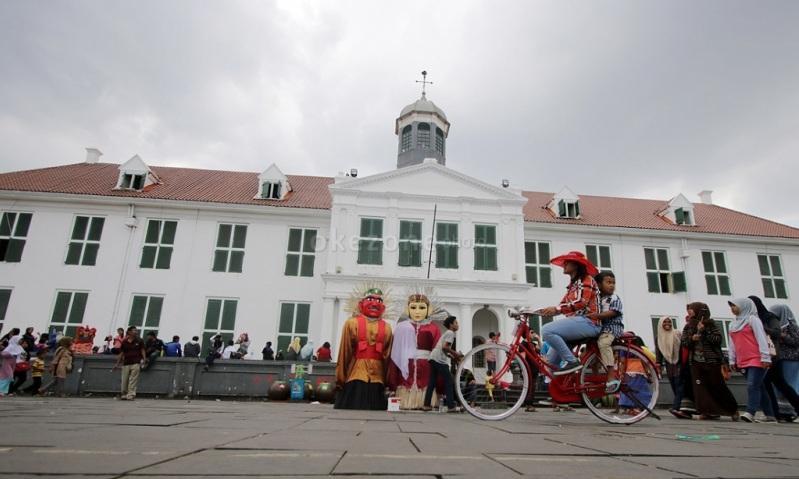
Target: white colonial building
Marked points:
187	251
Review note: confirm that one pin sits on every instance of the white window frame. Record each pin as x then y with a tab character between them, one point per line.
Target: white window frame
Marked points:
293	334
143	328
302	254
66	324
218	329
538	265
771	276
598	264
448	243
715	273
12	232
420	241
230	248
494	246
380	239
85	241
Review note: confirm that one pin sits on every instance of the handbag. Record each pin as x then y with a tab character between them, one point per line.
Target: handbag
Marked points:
22	367
771	349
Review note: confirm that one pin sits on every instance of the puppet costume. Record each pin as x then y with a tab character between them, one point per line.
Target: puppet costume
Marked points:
414	340
363	355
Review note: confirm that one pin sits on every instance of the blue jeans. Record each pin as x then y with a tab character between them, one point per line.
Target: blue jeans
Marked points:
558	332
790	370
437	369
756	395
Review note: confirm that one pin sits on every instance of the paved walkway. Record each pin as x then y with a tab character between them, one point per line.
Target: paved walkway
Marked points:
149	438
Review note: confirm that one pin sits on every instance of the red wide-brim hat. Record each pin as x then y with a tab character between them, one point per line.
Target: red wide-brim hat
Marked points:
577	257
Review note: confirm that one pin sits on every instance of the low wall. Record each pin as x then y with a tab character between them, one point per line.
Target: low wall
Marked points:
185	377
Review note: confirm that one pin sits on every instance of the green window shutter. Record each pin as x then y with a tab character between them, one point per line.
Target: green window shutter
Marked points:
283	342
286	318
663	259
707	261
649	258
655	321
776	268
14	250
236	261
779	288
229	314
576	209
562	208
212	313
223	239
721	264
604	256
153	227
529	252
724	285
404	253
61	307
546	276
153	318
292	265
532	275
79	230
168	235
96	229
591	253
307	265
90	254
479	258
78	308
73	253
491	259
762	262
543	253
5	223
23	223
768	287
679	283
148	257
295	240
5	298
266	189
303	318
710	281
679	214
220	260
239	236
164	257
309	241
653	282
416	231
137	308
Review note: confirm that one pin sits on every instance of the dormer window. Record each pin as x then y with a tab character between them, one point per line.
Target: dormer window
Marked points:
272	184
131	182
135	175
270	190
568	209
683	216
565	204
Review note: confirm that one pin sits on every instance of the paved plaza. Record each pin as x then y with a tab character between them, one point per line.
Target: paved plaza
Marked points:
152	438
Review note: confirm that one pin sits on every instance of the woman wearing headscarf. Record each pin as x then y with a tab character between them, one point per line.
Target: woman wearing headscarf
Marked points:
748	352
293	351
711	394
17	347
668	354
774	377
61	366
789	345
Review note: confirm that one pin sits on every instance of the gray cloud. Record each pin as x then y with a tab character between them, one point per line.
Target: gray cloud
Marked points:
630	98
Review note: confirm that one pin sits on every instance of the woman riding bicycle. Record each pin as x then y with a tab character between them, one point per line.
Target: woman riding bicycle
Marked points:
581	300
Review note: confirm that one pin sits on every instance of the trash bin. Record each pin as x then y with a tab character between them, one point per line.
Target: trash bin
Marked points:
297	389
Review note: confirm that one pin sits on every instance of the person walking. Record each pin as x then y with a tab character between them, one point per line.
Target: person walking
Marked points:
131	356
749	353
774	377
60	367
713	397
789	345
439	366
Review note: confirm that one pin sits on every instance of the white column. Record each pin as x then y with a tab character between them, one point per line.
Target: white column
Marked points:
327	333
465	331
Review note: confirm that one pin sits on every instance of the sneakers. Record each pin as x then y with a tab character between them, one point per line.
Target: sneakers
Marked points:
768	419
746	417
569	368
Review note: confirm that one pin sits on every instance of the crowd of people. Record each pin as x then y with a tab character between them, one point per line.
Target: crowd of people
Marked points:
26	356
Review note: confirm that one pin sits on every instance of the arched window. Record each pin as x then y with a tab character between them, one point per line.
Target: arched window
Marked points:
405	141
423	135
440	140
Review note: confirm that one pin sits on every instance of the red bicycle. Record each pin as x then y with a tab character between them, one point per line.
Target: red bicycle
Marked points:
497	396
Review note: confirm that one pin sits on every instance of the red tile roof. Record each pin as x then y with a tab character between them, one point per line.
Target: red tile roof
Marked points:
643	214
180	184
233	187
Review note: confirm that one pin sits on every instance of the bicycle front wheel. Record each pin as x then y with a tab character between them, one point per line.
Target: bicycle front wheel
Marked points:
476	393
637	394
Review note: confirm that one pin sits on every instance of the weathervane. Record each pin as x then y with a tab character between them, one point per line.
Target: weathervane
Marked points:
424	82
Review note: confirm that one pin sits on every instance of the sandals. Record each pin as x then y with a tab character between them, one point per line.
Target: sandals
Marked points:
680	414
612	386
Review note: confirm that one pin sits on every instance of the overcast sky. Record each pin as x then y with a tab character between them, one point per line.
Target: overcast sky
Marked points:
639	99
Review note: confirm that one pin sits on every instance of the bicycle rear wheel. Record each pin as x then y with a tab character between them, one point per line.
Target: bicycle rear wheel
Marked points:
501	400
637	394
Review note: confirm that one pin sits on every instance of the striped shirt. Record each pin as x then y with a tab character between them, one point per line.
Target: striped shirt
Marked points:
614	325
581	299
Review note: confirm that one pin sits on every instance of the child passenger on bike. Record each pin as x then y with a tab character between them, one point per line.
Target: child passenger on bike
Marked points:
610	314
580	303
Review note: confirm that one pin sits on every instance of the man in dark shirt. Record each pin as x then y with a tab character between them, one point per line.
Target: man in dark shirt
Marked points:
153	347
131	356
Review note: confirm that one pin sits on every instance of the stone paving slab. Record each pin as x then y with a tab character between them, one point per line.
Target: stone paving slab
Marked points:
177	438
